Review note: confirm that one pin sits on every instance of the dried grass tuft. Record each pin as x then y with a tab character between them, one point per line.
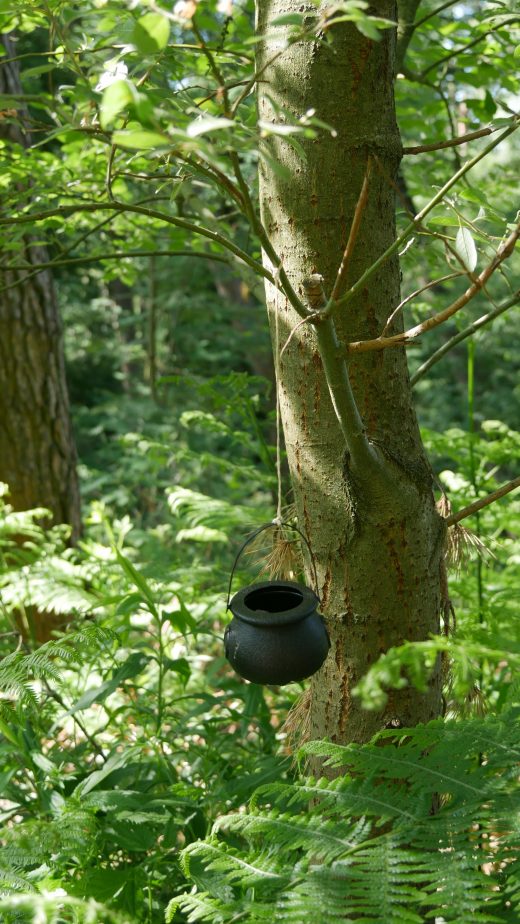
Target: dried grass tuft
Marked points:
444	506
297	725
282	555
462	544
284	560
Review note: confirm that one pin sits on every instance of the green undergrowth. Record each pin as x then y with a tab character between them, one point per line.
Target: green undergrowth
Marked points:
140	777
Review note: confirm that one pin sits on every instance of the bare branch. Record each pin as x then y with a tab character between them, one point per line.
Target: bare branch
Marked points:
382	343
353	233
409	298
453	142
363	455
463	334
417	221
483	502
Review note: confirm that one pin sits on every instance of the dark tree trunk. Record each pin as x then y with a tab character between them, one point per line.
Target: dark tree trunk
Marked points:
37	451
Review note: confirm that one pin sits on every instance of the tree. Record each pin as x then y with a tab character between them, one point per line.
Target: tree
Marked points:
37	451
363	487
329	153
362	483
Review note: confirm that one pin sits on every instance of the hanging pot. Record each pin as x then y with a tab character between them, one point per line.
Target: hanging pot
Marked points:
276	635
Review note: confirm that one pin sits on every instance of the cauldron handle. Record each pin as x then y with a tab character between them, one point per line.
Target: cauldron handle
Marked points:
256	533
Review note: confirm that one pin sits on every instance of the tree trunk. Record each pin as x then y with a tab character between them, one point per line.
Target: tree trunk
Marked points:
370	517
37	452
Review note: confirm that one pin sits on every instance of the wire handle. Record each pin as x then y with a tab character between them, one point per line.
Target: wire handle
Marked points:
275	523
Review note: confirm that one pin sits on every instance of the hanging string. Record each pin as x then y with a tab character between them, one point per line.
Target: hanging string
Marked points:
278	519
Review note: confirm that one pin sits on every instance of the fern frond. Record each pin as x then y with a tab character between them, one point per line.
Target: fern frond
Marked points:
200	907
11	880
202	510
18	671
216	857
51	584
381	883
366	846
324	839
57	906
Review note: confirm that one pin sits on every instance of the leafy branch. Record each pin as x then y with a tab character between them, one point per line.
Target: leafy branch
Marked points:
64	210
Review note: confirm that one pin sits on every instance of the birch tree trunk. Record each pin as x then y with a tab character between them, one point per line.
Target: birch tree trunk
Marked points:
37	451
369	515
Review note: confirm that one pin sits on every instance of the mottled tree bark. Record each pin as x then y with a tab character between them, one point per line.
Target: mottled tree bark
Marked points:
37	452
375	532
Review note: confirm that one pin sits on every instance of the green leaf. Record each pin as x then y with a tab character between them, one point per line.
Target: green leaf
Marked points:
206	124
278	128
140	140
179	666
465	247
130	668
151	33
114	762
116	97
130	603
138	580
181	618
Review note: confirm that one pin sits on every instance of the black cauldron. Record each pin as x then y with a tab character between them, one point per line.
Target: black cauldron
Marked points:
277	634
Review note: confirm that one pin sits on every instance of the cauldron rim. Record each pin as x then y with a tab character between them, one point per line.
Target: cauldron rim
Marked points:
308	605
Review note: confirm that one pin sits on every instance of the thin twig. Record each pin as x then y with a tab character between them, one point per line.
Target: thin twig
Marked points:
258	228
213	173
437	88
444	6
63	253
417	221
59	699
463	334
118	255
310	319
364	458
353	233
453	142
483	502
382	343
455	52
409	298
222	91
125	207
